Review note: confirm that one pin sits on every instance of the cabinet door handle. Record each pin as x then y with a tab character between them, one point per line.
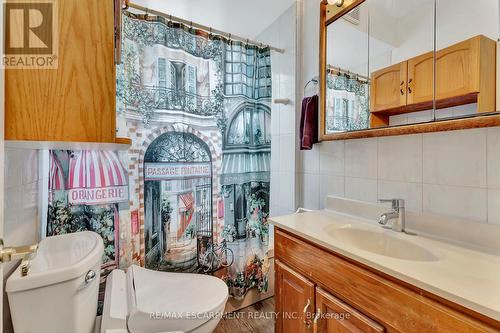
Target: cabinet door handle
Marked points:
409	86
402	86
306	321
315	322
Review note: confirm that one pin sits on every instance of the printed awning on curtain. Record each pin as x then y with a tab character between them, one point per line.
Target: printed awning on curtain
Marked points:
56	173
187	199
96	177
239	168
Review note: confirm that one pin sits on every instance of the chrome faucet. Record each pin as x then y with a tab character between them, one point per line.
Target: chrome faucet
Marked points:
397	215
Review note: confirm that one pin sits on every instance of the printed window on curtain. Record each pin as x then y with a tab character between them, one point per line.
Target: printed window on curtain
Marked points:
199	218
347	103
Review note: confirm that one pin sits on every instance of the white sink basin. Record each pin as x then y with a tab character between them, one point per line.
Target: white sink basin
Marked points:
381	243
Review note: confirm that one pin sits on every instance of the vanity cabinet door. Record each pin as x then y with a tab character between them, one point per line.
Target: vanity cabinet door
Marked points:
421	79
334	316
388	88
294	300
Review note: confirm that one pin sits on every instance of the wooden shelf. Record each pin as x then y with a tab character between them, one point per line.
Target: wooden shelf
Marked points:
383	115
119	145
477	121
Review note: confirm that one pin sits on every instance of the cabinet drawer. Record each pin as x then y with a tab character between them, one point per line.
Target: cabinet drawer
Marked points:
398	308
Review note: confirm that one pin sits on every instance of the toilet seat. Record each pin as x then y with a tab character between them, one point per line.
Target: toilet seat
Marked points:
146	301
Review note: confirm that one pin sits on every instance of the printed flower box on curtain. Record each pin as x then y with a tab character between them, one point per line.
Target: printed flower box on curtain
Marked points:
86	191
197	108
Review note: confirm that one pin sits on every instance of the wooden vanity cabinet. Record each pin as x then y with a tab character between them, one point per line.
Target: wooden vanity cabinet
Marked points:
351	297
294	296
76	101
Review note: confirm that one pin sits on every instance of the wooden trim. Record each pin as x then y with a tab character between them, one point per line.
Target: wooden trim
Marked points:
123	141
339	12
323	25
492	120
281	234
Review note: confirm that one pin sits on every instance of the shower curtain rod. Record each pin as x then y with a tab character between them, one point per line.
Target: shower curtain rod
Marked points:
337	70
201	27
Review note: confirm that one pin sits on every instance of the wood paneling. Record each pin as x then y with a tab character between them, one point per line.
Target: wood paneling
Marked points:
294	300
392	303
337	317
76	101
256	318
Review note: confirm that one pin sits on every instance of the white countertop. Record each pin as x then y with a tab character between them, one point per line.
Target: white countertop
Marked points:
463	276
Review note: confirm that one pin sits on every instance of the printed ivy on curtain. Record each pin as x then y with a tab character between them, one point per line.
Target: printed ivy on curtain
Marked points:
197	108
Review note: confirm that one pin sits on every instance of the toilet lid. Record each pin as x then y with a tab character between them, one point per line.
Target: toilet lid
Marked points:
181	294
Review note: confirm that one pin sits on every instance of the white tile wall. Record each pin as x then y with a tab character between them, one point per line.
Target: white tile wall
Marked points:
361	158
282	33
453	173
455	158
400	158
21	218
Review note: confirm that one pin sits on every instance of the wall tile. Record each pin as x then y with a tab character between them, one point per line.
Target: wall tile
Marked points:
455	158
494	206
309	161
361	189
400	158
330	185
14	167
275	153
420	117
331	158
494	158
310	191
463	202
361	158
286	199
287	118
287	153
410	192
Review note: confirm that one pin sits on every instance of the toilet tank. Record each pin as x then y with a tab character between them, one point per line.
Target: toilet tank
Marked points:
59	294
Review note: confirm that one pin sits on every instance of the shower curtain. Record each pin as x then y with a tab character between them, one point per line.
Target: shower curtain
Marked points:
197	108
347	103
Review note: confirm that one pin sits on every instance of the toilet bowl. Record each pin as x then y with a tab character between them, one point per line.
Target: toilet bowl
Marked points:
145	301
59	294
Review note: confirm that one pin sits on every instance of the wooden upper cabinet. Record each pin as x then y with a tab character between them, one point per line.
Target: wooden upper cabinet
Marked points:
468	68
294	299
76	101
421	79
388	87
337	317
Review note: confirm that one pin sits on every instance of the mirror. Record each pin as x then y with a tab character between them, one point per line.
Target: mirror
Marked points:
408	65
466	58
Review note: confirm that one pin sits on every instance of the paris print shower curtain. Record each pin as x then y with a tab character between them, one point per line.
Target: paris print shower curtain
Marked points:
197	108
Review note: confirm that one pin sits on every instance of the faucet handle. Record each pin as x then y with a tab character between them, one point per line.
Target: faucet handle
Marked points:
396	203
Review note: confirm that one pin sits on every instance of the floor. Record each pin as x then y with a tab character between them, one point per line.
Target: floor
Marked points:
258	318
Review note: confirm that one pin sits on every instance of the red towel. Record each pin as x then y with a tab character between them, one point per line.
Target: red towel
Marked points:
309	123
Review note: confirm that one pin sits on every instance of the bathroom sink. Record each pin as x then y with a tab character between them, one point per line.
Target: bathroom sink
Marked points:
381	243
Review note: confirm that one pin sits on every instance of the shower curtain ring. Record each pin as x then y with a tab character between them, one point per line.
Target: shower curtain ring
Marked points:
146	15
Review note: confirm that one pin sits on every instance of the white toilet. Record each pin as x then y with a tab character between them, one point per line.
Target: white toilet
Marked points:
59	294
